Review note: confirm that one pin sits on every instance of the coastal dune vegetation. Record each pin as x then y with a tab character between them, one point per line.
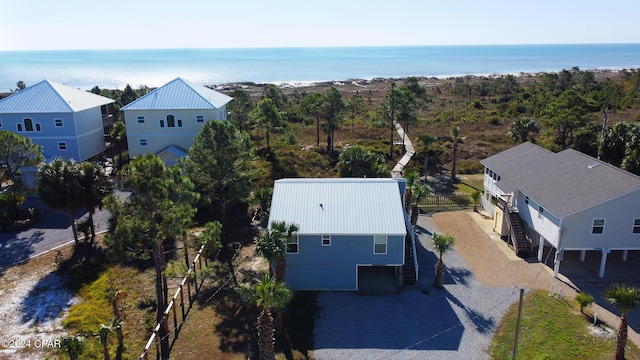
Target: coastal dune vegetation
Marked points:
285	131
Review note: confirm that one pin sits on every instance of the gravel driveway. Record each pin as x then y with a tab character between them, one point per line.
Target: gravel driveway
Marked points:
457	322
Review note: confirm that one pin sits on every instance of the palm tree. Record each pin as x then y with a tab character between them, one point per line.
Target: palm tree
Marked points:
584	300
455	133
283	233
95	187
269	245
625	299
475	197
420	192
442	244
412	178
72	345
119	136
269	295
521	128
103	335
59	189
426	140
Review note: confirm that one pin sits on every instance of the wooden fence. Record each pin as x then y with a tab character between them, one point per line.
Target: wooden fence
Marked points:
178	300
435	202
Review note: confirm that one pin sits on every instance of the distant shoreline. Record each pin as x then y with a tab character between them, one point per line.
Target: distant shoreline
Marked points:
377	83
253	87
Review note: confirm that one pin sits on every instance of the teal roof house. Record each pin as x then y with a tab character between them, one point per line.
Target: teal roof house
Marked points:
349	229
166	120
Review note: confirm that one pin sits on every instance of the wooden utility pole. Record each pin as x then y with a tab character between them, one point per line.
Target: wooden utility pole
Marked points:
515	342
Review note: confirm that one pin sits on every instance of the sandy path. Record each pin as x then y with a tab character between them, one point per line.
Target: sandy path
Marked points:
494	264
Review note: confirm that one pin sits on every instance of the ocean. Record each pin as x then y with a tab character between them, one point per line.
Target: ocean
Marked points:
109	69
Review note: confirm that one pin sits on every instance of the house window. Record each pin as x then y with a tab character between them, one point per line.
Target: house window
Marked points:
28	124
326	240
171	121
58	122
62	145
179	122
143	142
380	244
292	245
540	213
0	123
598	226
200	118
140	119
19	126
526	199
161	123
38	128
636	226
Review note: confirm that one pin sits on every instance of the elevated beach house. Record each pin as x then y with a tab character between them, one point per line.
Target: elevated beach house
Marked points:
350	231
567	200
67	122
166	120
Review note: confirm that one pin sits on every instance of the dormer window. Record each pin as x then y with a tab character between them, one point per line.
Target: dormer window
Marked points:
28	124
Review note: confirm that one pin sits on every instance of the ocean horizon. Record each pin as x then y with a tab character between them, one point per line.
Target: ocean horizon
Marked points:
114	69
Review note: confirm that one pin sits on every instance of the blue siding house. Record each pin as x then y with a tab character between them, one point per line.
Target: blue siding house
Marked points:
67	122
345	226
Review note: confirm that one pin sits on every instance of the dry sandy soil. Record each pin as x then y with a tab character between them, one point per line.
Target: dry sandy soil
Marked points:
494	264
34	303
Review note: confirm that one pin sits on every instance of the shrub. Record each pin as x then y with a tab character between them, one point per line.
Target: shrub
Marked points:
584	300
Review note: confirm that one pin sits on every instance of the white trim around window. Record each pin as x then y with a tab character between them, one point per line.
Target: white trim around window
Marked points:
199	118
636	227
597	227
293	245
143	142
62	145
326	240
380	244
58	122
140	119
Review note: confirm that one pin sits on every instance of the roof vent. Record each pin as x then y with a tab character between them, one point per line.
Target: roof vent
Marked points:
592	165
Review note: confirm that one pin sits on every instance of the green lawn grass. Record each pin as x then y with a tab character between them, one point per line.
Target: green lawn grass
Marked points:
553	328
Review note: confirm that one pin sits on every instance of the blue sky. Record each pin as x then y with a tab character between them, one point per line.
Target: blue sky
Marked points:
131	24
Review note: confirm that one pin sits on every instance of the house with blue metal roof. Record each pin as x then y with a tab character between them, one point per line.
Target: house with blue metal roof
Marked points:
568	201
65	121
348	229
166	120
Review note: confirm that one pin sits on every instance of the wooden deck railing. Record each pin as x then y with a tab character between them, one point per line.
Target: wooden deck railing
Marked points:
171	314
435	202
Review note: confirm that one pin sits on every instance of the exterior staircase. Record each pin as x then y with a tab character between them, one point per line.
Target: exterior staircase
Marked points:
518	239
409	268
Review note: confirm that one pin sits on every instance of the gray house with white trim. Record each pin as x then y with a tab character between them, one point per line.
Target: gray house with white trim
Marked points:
567	200
346	227
166	120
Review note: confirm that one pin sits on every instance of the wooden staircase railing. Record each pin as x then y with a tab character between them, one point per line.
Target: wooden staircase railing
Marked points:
518	239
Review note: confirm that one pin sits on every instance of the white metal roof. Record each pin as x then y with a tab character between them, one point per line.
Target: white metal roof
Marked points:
51	97
339	206
180	94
